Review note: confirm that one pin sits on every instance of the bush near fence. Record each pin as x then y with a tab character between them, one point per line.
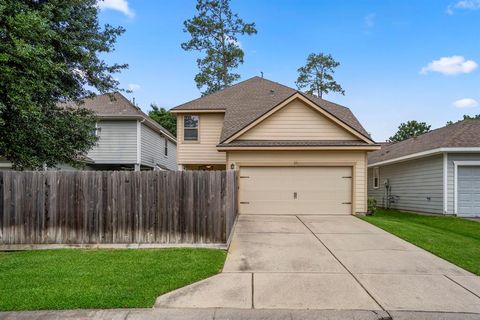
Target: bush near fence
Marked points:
116	207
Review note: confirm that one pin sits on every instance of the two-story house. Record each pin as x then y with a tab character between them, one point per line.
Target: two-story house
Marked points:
295	153
127	138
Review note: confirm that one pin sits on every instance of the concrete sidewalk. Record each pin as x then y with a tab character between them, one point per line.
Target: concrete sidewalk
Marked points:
232	314
328	263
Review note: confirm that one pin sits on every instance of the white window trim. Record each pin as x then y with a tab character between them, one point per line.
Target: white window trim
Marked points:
97	130
198	129
377	170
455	177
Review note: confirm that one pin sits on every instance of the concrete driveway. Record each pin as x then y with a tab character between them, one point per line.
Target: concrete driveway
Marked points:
328	262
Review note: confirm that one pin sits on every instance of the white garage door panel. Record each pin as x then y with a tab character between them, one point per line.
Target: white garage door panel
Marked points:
319	190
469	191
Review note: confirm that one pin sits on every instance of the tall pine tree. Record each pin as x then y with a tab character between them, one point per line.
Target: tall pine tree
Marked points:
214	31
316	77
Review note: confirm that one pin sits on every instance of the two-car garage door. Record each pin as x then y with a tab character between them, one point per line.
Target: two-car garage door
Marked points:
295	190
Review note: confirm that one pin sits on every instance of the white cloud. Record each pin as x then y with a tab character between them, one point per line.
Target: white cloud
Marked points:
464	5
369	20
465	103
118	5
133	87
450	66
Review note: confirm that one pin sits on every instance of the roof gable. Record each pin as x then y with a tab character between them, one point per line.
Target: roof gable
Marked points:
296	119
249	100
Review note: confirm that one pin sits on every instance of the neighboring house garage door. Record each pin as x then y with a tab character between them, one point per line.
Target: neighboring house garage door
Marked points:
468	191
295	190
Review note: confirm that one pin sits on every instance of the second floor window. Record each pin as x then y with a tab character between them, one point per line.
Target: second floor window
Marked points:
190	128
166	146
96	131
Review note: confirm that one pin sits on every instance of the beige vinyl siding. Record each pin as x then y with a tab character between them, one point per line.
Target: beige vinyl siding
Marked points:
418	184
204	150
117	142
297	121
153	149
451	175
355	159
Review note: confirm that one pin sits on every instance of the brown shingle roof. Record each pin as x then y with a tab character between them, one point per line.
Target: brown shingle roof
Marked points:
461	134
248	100
109	104
294	143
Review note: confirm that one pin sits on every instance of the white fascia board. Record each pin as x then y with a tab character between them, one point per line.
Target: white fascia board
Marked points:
426	154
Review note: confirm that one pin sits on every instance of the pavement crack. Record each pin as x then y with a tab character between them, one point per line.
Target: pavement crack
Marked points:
476	295
345	267
253	291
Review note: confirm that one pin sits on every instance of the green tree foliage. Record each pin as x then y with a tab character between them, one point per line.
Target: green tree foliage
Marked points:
317	75
164	117
465	117
214	30
409	130
49	53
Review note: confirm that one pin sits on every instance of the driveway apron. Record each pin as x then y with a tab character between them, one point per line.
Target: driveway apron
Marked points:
328	262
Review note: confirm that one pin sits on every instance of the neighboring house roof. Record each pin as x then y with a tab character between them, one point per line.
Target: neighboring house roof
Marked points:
246	101
464	134
115	105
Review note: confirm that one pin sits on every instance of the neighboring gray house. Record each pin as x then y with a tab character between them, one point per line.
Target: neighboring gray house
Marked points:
128	138
436	172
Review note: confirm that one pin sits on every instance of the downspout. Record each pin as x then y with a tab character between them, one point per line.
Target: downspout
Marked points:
139	144
445	183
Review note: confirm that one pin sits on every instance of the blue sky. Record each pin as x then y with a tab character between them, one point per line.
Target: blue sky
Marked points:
400	60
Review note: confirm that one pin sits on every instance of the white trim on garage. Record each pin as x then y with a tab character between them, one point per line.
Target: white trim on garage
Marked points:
455	177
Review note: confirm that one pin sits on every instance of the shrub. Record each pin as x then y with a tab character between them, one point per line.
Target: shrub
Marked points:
371	206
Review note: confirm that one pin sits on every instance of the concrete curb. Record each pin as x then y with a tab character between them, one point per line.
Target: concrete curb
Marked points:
22	247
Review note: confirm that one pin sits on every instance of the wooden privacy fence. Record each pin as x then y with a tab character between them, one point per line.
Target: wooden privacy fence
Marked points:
116	207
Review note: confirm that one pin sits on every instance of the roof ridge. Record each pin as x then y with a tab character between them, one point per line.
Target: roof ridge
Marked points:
275	82
459	131
325	100
217	92
420	135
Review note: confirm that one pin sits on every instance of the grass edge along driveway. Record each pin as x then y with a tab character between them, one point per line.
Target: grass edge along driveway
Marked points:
454	239
84	279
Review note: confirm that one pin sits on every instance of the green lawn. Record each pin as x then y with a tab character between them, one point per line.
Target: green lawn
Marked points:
71	279
454	239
